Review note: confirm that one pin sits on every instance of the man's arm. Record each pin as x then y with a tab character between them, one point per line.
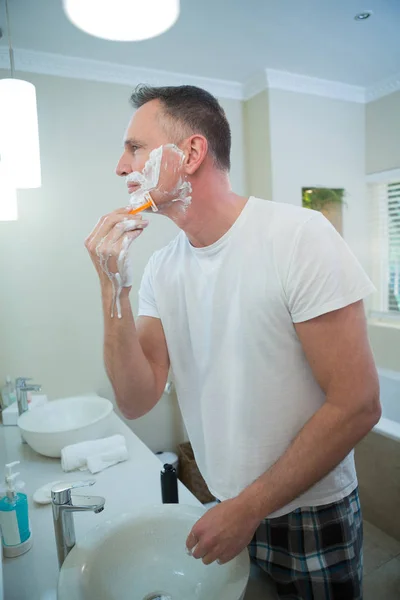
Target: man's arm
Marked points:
337	348
136	358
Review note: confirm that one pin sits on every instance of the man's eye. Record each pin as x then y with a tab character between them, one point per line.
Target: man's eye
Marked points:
134	148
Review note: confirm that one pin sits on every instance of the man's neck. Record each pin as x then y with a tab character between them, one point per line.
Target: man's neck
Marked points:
211	213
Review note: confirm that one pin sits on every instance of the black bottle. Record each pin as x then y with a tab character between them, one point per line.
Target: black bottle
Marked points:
169	485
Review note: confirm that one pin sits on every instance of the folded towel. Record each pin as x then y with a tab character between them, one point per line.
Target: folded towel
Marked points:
95	454
98	462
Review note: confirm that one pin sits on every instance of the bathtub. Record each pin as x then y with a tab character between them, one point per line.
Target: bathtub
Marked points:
378	461
389	424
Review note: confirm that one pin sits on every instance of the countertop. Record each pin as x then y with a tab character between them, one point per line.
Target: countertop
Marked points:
33	576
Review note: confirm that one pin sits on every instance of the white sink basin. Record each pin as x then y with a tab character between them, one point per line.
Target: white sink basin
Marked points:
48	428
142	556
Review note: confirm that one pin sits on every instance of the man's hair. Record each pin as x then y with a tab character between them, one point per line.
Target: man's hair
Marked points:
193	110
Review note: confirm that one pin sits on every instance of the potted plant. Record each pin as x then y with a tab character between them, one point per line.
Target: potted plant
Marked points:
329	201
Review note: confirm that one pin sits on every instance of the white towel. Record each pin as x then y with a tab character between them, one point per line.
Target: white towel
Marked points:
94	455
98	462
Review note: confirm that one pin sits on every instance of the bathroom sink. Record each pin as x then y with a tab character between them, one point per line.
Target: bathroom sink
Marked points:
50	427
142	556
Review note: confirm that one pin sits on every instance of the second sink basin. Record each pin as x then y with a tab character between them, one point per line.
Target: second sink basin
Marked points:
50	427
142	556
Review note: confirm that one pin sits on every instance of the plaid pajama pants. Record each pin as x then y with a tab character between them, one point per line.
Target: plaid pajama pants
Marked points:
313	553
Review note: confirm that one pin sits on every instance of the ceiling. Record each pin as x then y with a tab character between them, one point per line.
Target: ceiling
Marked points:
234	39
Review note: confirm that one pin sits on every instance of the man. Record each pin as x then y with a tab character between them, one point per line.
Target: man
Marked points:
258	308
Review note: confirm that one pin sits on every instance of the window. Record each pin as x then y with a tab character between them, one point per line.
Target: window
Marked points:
386	247
393	215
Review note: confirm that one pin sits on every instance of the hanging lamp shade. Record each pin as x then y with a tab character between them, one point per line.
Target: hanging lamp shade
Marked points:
123	20
8	197
19	133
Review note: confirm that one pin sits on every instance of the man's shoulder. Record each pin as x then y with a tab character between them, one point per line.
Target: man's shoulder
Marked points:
280	217
293	212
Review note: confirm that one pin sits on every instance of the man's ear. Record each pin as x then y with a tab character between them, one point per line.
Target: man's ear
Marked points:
196	149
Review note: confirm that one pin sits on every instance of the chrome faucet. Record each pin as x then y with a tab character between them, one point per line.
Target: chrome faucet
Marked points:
22	388
20	382
63	507
23	399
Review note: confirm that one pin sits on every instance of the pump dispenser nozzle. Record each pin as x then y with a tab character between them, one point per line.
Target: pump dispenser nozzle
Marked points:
11	484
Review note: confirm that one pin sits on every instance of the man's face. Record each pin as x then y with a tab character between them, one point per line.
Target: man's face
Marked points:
144	134
149	161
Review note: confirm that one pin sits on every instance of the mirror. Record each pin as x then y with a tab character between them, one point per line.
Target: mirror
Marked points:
307	118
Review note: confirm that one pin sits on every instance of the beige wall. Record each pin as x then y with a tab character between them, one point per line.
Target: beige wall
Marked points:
234	113
258	146
383	134
378	465
50	312
385	341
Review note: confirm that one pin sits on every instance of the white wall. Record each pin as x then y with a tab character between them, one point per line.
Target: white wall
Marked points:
383	134
320	141
50	311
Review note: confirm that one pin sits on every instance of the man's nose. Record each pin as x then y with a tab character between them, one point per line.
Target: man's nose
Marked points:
123	167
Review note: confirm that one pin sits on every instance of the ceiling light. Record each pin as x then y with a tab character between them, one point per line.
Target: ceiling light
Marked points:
123	20
363	16
19	134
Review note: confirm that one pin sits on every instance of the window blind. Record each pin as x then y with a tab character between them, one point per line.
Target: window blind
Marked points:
392	200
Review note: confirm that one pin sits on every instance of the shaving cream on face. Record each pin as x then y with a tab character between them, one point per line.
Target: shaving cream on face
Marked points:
183	188
147	179
169	158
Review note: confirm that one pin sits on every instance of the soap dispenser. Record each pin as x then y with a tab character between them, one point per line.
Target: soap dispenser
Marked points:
14	519
8	395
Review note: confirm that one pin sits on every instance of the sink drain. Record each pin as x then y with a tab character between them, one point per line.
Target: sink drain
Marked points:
158	596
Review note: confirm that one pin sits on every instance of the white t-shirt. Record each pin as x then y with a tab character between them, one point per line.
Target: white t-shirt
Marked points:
244	385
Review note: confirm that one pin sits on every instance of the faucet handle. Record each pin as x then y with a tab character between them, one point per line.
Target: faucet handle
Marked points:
21	381
61	492
33	387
